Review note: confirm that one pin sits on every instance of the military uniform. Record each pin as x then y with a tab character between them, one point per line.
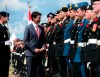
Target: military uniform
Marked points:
67	38
59	39
59	44
79	70
52	60
91	46
92	52
4	51
78	57
72	49
98	38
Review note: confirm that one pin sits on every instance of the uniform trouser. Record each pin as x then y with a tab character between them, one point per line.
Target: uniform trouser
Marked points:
52	60
4	64
79	70
98	62
63	66
93	71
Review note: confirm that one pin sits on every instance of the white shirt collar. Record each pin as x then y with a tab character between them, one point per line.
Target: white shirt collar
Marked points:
34	24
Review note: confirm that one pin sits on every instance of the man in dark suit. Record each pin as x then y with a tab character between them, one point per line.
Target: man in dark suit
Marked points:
4	45
34	39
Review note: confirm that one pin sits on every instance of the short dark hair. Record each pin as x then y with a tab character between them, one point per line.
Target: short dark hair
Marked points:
35	14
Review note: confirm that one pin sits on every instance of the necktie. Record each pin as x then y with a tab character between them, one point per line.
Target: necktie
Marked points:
37	31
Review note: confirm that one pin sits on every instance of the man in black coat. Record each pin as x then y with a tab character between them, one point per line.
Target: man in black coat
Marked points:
4	45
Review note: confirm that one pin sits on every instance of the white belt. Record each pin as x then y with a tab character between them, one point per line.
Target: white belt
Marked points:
92	41
72	42
23	53
83	44
17	53
66	41
54	43
98	42
80	44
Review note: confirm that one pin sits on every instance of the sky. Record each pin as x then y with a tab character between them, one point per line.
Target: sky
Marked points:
18	10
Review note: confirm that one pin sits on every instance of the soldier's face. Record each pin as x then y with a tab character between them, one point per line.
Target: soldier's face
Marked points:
72	13
53	20
93	15
68	13
5	19
88	14
49	20
80	14
58	16
96	6
62	14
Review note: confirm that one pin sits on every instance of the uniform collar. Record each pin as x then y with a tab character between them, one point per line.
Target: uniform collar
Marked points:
98	16
83	19
74	20
2	24
90	21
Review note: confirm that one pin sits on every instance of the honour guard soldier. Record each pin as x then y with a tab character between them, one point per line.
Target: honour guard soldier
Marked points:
67	35
78	65
51	48
59	38
74	28
89	15
4	45
73	10
91	52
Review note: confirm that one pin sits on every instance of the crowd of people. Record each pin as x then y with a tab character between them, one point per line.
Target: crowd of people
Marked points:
67	45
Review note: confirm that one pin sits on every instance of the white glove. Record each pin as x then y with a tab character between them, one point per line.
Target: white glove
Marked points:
8	43
88	65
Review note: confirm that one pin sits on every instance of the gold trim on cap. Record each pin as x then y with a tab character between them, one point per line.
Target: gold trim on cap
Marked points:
64	6
76	5
70	5
87	7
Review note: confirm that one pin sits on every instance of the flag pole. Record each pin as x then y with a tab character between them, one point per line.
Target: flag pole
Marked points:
6	15
7	20
29	14
29	5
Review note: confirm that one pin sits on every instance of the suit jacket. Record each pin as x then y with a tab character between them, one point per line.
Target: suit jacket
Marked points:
32	41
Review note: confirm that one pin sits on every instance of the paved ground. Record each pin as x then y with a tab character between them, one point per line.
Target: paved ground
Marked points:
10	72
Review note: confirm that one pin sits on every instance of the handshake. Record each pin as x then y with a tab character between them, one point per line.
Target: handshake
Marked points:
39	50
44	47
8	42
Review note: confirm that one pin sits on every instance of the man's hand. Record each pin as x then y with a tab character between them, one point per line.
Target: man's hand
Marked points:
47	45
8	42
42	49
36	50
